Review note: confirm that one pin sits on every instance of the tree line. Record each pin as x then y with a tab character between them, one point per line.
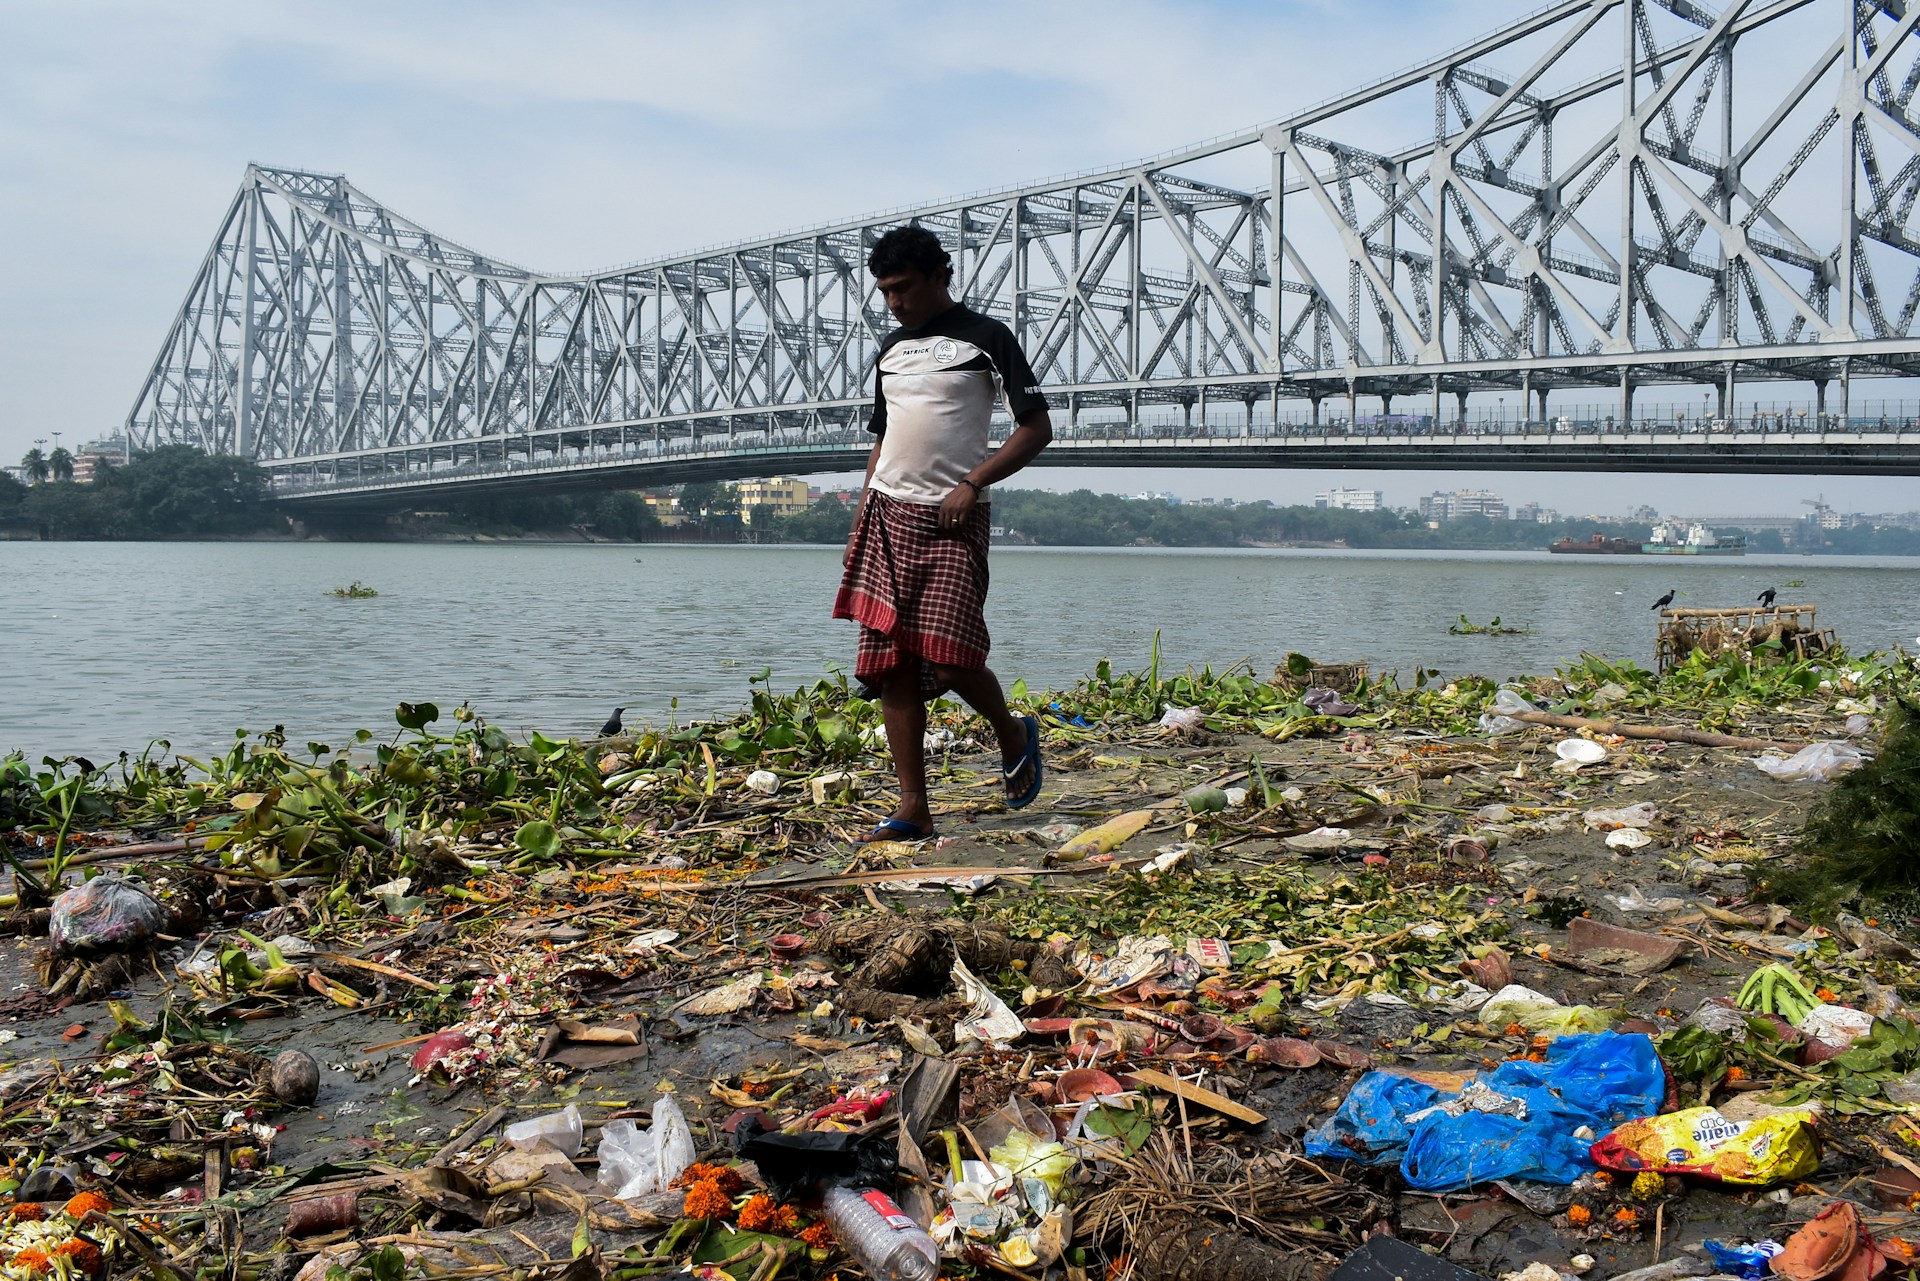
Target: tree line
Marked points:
174	491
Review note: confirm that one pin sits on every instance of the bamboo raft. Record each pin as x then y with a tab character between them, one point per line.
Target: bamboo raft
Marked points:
1747	631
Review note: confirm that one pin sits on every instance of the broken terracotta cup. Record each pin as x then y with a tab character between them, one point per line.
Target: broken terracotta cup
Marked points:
1285	1052
1081	1084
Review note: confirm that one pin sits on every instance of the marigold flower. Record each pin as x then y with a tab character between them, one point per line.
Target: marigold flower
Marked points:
84	1203
820	1237
30	1211
1826	994
705	1200
34	1260
1648	1185
762	1214
84	1254
1627	1217
725	1177
1579	1216
1736	1074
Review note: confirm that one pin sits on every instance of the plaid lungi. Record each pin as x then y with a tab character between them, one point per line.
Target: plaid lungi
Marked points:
919	595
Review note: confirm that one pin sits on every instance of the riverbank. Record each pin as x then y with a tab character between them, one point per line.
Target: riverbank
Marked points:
590	924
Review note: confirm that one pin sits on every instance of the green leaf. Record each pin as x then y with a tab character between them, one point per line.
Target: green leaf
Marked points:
1131	1126
416	716
538	838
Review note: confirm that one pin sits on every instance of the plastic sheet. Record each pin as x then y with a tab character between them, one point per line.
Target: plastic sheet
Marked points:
1590	1081
556	1131
636	1162
1816	762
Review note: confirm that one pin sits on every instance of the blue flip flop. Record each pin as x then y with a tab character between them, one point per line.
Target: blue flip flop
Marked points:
898	829
1029	757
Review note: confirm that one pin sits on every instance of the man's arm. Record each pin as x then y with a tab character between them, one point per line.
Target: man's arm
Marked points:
1031	434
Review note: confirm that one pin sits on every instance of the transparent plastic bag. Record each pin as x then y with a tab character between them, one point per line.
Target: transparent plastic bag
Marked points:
558	1131
635	1162
1498	719
1816	762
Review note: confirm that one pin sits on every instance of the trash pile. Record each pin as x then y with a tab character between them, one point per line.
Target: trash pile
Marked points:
1280	979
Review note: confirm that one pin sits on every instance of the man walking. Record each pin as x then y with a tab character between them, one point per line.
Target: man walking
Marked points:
916	562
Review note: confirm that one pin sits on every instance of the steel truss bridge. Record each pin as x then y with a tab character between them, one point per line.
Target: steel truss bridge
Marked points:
1603	197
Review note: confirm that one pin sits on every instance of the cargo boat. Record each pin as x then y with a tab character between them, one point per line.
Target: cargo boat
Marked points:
1697	541
1597	545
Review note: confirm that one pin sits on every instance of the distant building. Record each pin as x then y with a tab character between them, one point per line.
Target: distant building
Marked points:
1463	502
1353	500
665	507
1157	496
1536	513
782	495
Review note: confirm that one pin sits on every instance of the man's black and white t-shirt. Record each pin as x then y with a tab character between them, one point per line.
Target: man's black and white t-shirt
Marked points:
934	391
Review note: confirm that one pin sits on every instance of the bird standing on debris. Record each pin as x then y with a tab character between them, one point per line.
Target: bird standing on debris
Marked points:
1665	601
1766	598
612	726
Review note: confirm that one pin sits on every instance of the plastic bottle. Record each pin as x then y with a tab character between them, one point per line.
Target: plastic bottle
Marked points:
883	1240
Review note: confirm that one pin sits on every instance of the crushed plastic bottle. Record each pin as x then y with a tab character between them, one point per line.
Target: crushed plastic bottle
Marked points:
886	1243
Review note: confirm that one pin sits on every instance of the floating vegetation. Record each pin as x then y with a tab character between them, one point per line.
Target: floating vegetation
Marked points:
1494	628
355	590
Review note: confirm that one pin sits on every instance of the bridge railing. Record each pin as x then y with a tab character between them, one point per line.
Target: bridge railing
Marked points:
788	449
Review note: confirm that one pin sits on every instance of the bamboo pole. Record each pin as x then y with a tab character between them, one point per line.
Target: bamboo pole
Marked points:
1665	733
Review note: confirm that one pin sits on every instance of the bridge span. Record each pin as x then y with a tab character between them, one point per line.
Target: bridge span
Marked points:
1602	197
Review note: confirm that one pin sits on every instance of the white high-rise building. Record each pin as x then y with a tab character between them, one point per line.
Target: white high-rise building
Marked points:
1353	500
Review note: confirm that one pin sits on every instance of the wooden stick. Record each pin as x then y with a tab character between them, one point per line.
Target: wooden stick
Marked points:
1665	733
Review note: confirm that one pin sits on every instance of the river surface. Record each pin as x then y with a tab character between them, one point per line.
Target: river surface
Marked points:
104	646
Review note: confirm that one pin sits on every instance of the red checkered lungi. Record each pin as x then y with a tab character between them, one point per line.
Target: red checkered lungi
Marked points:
918	594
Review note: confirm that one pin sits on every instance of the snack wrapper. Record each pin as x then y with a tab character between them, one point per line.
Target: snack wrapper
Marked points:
1700	1141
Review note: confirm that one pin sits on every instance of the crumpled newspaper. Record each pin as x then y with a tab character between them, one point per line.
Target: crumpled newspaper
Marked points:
987	1018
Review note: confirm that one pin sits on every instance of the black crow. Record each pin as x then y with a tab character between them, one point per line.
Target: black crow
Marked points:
1766	598
612	726
1664	601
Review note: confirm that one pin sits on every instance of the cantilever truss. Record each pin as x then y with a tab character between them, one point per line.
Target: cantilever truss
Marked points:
1738	205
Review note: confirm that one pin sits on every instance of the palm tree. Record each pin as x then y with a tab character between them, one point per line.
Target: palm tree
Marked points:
35	465
60	463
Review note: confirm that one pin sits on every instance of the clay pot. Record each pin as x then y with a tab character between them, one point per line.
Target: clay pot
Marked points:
1342	1056
437	1047
1082	1084
787	947
1823	1247
1049	1027
1202	1028
1284	1052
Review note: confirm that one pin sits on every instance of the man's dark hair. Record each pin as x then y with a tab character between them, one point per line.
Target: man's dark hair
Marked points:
910	247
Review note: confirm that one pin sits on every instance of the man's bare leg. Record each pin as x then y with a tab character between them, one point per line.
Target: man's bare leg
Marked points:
981	688
905	713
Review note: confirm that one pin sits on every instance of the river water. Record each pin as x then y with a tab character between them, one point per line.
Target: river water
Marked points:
104	646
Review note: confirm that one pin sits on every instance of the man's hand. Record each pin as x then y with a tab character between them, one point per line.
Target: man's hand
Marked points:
956	507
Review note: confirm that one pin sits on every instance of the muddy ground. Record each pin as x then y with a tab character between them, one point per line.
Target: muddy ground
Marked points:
1720	820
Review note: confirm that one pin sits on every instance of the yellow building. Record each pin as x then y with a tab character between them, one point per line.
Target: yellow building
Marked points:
781	495
665	507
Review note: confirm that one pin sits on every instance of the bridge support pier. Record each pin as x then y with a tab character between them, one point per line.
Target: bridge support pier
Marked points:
1541	393
1819	400
1846	391
1626	400
1313	410
1460	420
1436	403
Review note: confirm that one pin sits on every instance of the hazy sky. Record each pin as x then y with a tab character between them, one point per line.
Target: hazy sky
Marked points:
571	135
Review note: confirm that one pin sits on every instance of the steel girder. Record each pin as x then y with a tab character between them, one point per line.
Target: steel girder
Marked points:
1732	201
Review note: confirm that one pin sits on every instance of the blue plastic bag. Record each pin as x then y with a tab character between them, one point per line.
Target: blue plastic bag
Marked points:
1748	1261
1369	1127
1596	1080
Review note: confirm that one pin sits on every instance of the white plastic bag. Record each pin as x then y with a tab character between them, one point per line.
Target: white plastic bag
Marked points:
763	781
1499	720
557	1131
1605	820
1815	762
1172	717
635	1162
